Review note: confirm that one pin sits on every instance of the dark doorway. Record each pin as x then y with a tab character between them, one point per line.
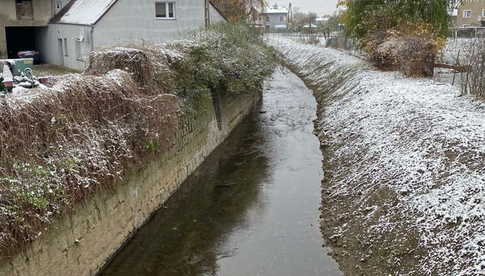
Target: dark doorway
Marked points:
20	39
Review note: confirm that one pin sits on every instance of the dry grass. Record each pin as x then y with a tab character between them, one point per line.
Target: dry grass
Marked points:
47	70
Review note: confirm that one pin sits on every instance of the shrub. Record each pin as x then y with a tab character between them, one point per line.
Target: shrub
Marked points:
399	34
88	130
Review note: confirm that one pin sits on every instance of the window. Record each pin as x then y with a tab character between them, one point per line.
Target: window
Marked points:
483	13
65	48
165	10
24	9
77	46
467	13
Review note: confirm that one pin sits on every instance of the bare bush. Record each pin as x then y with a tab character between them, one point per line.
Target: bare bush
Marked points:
473	81
412	55
87	131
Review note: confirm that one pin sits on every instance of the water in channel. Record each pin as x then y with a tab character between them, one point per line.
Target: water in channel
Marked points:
251	209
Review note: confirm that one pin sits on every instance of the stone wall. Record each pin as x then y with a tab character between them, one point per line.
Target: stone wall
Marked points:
81	243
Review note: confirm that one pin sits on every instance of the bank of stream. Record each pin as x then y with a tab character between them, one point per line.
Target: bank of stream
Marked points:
252	208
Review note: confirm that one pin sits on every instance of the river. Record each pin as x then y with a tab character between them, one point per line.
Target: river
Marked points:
251	209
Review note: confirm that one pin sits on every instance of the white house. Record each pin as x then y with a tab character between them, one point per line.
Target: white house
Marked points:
276	18
86	25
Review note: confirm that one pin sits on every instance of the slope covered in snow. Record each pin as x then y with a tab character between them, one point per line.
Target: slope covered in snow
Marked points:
404	167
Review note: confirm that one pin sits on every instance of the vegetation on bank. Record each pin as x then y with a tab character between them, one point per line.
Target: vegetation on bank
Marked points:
404	186
398	34
86	131
226	60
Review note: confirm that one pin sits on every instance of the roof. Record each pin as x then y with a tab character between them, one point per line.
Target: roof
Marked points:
218	10
275	11
89	12
84	12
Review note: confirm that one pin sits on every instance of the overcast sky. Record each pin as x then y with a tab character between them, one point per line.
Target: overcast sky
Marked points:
317	6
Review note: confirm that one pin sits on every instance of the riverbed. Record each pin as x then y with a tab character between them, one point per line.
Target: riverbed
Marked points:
252	208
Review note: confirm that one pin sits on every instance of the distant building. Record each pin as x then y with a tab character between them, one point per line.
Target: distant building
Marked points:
322	19
276	18
66	31
471	13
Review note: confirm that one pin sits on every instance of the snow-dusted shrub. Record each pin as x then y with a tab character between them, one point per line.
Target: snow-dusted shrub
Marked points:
69	140
61	144
411	55
226	59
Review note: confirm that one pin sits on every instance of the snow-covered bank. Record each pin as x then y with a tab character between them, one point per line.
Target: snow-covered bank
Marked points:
404	158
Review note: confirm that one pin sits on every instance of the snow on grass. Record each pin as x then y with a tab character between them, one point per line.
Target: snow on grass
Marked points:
417	137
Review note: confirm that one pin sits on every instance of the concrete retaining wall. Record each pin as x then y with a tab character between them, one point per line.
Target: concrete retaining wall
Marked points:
81	243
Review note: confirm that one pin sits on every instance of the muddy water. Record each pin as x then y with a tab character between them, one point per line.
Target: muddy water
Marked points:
252	207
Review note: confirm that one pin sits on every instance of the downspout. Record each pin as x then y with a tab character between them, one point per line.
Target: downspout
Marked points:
206	13
91	34
92	37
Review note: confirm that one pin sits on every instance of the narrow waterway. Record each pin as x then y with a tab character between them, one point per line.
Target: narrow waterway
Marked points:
251	209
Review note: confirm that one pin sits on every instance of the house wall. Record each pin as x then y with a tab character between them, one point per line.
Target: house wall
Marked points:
476	6
42	12
49	45
274	19
133	22
126	23
59	4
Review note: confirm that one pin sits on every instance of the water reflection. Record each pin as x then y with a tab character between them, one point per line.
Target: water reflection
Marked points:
251	209
183	237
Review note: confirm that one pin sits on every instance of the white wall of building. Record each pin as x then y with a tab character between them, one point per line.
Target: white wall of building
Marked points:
276	20
133	22
71	36
127	23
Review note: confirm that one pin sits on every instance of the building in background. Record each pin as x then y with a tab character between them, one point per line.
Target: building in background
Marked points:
19	21
321	20
64	32
276	18
471	13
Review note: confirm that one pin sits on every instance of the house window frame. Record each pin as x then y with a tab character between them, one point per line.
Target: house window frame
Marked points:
466	15
167	10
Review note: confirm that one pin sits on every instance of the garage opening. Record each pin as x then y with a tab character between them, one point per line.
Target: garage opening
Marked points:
20	39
